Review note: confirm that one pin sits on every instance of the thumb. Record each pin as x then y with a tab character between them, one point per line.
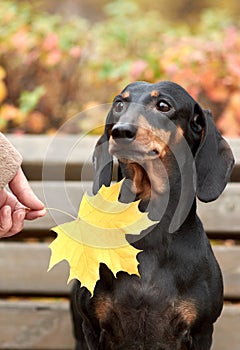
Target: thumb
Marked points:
22	190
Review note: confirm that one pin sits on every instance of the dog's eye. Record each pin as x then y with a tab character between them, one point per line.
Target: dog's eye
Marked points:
163	106
118	107
196	124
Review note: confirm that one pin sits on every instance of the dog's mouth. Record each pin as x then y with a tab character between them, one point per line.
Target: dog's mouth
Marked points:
135	152
143	165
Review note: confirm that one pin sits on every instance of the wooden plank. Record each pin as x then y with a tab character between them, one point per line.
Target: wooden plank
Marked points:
57	149
227	329
235	146
60	157
23	269
70	156
35	325
63	196
229	260
220	216
73	147
46	325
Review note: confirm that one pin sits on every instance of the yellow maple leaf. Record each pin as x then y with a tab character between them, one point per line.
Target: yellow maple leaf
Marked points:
98	236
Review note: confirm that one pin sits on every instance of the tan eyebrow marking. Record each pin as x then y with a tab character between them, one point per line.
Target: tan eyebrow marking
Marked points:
154	93
126	94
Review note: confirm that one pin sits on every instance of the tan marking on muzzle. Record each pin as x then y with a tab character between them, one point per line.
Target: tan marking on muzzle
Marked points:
152	138
179	135
149	178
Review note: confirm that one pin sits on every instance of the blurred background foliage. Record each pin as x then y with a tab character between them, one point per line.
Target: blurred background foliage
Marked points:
60	57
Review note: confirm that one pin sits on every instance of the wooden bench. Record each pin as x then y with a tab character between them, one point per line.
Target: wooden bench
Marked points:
34	306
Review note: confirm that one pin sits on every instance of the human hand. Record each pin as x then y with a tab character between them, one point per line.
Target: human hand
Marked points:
21	204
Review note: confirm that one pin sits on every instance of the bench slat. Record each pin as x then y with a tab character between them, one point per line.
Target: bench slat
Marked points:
229	260
46	157
71	147
65	196
35	325
69	157
46	325
235	146
226	334
220	216
23	269
58	149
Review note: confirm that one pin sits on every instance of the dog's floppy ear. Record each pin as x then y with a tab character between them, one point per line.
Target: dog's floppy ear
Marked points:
102	160
214	162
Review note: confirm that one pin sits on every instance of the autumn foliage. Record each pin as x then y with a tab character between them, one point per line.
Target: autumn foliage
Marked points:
51	69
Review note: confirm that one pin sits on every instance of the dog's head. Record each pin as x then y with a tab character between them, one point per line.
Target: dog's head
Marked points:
150	125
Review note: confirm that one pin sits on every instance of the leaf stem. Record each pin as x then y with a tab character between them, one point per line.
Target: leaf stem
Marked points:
63	212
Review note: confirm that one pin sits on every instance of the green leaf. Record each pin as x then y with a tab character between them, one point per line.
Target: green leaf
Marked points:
29	100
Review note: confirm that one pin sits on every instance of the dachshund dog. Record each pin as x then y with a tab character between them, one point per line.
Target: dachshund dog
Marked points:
169	152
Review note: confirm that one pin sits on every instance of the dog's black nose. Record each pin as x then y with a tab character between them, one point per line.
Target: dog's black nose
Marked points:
124	132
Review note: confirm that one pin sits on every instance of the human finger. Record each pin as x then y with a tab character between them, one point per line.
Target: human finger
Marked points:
34	214
18	217
22	190
3	197
5	220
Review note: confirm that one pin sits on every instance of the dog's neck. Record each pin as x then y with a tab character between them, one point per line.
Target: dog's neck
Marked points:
171	210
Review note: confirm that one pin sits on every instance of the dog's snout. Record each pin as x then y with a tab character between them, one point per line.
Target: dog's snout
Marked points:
124	132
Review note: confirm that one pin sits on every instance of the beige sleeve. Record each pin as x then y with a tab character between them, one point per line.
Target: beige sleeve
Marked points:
10	161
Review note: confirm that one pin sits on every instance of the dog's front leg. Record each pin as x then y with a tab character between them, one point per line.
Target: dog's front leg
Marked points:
90	337
203	339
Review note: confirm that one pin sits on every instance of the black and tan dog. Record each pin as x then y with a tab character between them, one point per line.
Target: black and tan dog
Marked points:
169	151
